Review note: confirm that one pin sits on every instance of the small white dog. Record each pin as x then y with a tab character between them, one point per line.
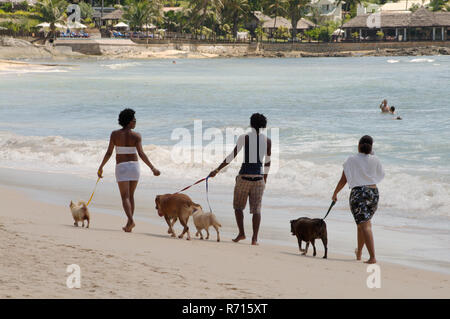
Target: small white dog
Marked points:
80	213
204	221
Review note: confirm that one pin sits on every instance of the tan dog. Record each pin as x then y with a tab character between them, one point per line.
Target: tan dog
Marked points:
204	220
173	207
80	213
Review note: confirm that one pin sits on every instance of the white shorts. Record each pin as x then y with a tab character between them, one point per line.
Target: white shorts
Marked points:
127	171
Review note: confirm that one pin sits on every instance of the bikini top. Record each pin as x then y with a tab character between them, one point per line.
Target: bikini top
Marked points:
126	150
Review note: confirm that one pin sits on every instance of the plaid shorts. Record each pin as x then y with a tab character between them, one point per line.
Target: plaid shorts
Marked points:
247	189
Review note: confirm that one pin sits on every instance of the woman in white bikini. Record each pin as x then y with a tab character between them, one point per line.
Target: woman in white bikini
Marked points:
128	146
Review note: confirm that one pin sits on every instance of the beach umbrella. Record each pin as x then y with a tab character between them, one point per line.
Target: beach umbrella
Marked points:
44	25
338	32
121	25
76	25
149	26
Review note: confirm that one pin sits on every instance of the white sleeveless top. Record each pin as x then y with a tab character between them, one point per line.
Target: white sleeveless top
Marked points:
362	169
126	150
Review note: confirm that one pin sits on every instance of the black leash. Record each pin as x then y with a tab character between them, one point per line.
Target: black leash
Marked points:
331	206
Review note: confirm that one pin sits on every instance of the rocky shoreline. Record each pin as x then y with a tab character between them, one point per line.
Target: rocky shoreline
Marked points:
17	49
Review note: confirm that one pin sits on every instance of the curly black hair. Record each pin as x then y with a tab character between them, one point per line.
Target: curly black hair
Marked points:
258	121
126	116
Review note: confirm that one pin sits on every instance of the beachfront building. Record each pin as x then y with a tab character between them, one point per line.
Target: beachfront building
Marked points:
421	25
271	25
99	13
112	18
328	9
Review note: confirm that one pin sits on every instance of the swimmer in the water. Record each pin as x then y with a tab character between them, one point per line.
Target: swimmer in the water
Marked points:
384	107
392	110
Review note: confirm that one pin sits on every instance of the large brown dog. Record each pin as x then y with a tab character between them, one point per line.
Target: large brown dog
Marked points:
308	230
173	207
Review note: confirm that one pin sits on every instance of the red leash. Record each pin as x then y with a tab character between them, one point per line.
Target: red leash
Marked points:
207	191
199	181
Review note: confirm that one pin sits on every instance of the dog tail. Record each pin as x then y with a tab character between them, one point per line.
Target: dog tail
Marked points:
216	221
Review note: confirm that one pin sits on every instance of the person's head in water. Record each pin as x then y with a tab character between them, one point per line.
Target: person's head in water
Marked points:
365	144
127	119
258	121
392	109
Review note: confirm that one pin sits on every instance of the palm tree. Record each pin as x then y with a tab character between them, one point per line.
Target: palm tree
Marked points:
349	4
52	11
201	9
275	8
140	12
236	10
296	9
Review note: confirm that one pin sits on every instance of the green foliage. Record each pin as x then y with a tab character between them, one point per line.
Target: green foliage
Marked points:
414	7
142	12
260	34
437	5
87	12
324	32
282	33
6	6
355	35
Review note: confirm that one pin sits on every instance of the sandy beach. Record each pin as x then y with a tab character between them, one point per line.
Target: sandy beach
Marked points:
39	241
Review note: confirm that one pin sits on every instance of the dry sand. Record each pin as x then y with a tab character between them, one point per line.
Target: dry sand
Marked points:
38	241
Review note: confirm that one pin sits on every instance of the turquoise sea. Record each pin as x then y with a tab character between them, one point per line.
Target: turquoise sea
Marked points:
56	124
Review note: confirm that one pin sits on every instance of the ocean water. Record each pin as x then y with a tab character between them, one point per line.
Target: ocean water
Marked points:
57	124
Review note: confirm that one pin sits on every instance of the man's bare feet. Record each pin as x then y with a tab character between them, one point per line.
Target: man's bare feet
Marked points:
238	238
129	227
254	243
358	254
371	261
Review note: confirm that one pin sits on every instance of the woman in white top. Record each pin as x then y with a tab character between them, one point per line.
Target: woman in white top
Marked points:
128	145
362	172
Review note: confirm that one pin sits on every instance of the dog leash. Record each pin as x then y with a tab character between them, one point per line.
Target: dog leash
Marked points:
207	189
207	197
89	201
331	206
187	187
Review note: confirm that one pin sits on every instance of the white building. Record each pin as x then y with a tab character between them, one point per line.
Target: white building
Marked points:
367	7
328	9
404	5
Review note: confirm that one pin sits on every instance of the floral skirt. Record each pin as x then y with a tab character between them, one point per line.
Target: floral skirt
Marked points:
363	203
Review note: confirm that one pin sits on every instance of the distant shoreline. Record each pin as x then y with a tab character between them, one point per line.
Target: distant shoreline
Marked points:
16	49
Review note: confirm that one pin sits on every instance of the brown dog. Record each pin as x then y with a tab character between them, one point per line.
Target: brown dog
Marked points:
80	213
308	230
173	207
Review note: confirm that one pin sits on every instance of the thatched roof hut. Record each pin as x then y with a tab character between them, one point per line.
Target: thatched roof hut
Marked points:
402	19
115	15
402	25
274	23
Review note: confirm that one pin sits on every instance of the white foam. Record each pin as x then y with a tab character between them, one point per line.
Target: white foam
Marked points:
411	195
392	61
421	60
117	66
